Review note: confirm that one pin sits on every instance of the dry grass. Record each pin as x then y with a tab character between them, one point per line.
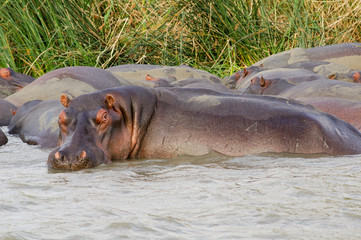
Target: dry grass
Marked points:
218	36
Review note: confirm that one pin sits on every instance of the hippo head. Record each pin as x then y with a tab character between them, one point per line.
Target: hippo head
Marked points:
97	127
85	126
258	86
240	76
11	82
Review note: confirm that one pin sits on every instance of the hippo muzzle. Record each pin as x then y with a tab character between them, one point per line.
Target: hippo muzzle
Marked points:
68	159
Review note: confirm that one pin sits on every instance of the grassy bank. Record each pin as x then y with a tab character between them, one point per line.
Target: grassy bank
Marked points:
222	36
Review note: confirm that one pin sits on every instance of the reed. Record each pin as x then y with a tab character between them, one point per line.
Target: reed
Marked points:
218	36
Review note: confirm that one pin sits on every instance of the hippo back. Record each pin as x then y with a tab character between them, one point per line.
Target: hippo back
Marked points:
136	73
7	110
74	81
36	122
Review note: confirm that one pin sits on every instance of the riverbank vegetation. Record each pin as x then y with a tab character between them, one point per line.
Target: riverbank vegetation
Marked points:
218	36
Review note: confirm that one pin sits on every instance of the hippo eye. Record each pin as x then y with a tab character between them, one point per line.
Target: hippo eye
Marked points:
62	122
62	117
253	81
102	116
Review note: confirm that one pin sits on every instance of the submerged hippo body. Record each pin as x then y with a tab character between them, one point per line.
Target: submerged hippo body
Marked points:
7	110
128	122
36	123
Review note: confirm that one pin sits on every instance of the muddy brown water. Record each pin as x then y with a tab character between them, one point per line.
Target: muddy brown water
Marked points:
211	197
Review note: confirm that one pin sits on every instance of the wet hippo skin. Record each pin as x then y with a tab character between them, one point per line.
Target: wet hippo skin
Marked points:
74	81
7	111
3	138
36	123
345	109
127	122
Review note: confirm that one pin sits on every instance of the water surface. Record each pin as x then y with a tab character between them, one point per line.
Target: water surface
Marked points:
211	197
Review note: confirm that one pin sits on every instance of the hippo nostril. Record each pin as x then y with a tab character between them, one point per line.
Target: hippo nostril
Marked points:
83	155
57	155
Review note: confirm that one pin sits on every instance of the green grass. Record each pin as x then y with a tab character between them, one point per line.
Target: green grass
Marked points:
218	36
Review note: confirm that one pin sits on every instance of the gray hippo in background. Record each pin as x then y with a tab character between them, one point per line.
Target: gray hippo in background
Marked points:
7	110
11	81
76	81
36	122
337	61
134	73
189	83
346	54
324	88
276	80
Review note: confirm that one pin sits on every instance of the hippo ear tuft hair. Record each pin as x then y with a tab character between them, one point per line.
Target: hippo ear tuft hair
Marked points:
65	100
109	101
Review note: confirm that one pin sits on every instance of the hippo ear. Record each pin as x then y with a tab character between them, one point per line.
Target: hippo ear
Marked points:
263	82
332	76
237	76
65	100
245	72
109	101
150	78
356	77
5	73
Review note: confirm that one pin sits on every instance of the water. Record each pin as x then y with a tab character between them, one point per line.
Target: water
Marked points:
212	197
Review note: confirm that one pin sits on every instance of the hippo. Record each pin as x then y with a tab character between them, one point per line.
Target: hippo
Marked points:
11	81
7	110
324	88
36	122
74	81
189	83
328	70
277	80
345	109
136	122
345	54
238	77
3	138
136	73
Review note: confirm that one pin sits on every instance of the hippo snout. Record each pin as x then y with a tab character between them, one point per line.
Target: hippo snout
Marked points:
62	160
